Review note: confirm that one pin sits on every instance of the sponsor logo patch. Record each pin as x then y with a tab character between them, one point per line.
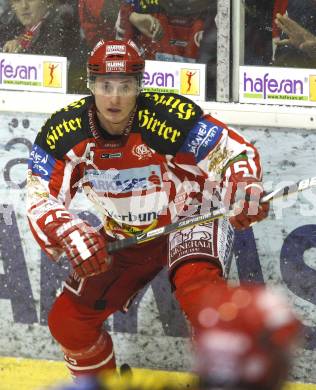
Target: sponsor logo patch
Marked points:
111	155
192	241
41	163
56	132
128	218
184	110
202	139
149	121
125	180
218	159
115	66
115	49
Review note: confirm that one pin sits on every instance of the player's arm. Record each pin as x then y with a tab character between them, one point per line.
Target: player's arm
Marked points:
50	188
226	156
242	182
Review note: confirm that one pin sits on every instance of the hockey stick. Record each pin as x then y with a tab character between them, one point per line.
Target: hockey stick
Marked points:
197	219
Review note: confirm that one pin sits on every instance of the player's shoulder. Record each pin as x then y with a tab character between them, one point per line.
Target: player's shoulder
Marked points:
203	136
65	128
165	120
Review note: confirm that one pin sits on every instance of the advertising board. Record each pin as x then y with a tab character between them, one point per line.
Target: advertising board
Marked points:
32	72
187	79
273	85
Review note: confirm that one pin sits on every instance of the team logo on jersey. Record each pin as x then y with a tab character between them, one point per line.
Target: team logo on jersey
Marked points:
142	152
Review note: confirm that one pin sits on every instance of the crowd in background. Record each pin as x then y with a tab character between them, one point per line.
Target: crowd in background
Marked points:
277	32
280	33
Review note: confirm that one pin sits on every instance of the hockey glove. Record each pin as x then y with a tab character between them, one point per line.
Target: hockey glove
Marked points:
245	196
85	247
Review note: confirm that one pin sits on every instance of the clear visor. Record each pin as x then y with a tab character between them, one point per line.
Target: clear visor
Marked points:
115	85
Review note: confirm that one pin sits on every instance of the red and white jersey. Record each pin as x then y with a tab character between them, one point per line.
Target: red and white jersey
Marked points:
173	156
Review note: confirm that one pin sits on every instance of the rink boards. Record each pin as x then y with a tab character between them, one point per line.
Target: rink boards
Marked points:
279	251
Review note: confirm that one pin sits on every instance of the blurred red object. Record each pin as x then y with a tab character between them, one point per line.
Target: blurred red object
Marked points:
247	338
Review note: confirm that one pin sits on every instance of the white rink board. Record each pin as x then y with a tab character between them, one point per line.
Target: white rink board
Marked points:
152	334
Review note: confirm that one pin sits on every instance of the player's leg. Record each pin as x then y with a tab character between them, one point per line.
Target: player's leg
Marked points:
198	258
76	317
87	348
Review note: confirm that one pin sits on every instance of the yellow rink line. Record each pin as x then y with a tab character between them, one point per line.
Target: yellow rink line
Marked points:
31	374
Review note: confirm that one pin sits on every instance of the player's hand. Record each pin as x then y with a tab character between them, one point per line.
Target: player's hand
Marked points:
245	199
147	25
12	46
298	36
85	247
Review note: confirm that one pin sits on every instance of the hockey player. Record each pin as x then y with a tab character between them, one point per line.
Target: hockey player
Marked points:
148	159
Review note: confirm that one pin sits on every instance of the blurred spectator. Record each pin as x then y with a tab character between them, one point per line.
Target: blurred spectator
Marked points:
31	19
97	19
258	32
297	43
167	30
173	30
48	27
4	5
280	7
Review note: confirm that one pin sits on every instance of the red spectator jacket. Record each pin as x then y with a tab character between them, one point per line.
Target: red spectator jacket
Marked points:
280	7
181	39
93	21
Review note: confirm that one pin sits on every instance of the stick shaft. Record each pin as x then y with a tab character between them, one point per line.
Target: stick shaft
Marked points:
198	219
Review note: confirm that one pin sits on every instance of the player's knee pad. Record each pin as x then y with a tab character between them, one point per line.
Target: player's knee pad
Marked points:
93	359
194	283
78	329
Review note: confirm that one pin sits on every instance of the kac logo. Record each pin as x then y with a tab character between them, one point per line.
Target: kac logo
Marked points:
142	151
